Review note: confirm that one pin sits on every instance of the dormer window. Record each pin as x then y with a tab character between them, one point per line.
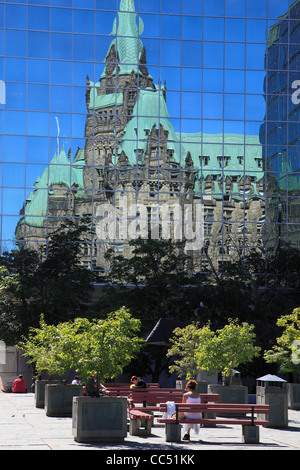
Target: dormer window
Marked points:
204	160
240	159
223	161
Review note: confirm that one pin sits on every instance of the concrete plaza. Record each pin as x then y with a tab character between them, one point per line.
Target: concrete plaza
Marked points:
25	427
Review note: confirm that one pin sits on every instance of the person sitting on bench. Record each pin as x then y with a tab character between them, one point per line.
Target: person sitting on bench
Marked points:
191	396
137	382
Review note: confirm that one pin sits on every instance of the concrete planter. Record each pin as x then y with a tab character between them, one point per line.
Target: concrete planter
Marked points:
293	396
39	393
101	419
201	387
59	399
230	393
277	398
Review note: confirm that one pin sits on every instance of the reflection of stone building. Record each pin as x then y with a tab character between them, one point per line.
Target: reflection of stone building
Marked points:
132	151
280	133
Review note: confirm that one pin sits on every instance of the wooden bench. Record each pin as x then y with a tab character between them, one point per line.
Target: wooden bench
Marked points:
144	413
125	389
140	423
141	417
210	397
151	402
120	385
250	424
152	398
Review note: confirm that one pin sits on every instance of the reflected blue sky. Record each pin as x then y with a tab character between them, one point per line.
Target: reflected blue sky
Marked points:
213	66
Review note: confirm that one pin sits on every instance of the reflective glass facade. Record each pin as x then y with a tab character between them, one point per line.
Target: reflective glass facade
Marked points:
160	119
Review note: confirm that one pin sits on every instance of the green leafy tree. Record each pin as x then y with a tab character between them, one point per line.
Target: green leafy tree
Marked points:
229	347
187	342
100	347
107	346
53	348
286	353
214	351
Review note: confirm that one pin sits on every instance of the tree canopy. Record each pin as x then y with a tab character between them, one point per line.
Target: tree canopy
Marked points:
52	283
97	347
286	353
217	351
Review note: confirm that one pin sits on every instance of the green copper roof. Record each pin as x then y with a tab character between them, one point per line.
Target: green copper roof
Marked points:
230	155
244	152
61	171
149	110
127	41
103	101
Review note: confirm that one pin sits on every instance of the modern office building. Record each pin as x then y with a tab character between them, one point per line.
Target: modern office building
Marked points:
154	118
280	133
146	118
207	189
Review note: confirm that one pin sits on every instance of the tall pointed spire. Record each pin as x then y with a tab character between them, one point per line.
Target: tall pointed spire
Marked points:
127	46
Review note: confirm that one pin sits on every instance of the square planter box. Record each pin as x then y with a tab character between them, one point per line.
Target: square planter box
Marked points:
230	394
277	398
101	419
59	399
40	389
201	385
293	396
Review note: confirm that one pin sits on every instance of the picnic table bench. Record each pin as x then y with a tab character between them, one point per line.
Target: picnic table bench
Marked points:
140	422
154	397
141	417
250	424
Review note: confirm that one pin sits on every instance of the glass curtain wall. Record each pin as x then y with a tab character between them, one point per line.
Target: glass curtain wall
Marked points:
153	119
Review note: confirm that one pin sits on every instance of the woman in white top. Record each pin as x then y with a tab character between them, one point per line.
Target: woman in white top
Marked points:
191	396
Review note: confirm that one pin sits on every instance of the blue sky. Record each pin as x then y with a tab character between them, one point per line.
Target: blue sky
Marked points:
46	53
